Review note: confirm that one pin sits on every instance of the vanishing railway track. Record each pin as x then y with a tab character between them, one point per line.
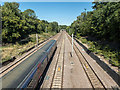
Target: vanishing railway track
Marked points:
90	73
65	65
18	61
58	73
21	72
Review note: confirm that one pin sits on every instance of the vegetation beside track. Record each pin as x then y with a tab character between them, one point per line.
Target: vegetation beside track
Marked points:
103	25
110	55
19	30
19	48
18	25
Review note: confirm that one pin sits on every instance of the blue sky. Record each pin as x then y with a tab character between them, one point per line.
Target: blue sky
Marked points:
47	0
62	12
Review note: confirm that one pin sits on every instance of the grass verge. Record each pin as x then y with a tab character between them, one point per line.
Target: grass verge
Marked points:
11	51
113	56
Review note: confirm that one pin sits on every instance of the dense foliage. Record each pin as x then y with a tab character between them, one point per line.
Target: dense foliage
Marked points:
62	27
103	25
103	22
17	25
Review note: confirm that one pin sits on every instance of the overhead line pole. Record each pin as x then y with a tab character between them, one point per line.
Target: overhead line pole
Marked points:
72	44
36	40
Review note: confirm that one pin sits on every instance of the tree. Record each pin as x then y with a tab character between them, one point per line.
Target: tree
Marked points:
29	13
17	25
103	22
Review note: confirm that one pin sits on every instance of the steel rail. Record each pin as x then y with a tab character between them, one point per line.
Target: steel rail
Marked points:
29	54
85	64
55	71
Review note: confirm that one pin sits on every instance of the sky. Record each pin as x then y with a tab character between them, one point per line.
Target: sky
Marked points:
48	0
62	12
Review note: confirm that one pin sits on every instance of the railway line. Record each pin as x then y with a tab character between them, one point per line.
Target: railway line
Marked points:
67	69
60	71
54	73
75	71
90	73
96	75
22	73
7	68
58	74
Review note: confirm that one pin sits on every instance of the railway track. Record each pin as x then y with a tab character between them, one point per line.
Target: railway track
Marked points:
93	78
24	68
65	70
57	80
58	69
5	70
50	75
58	73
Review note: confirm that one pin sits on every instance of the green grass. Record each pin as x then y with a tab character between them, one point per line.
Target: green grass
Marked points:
103	50
15	50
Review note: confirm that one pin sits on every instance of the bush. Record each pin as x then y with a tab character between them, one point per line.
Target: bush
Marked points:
114	63
104	51
92	48
84	40
78	35
6	59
